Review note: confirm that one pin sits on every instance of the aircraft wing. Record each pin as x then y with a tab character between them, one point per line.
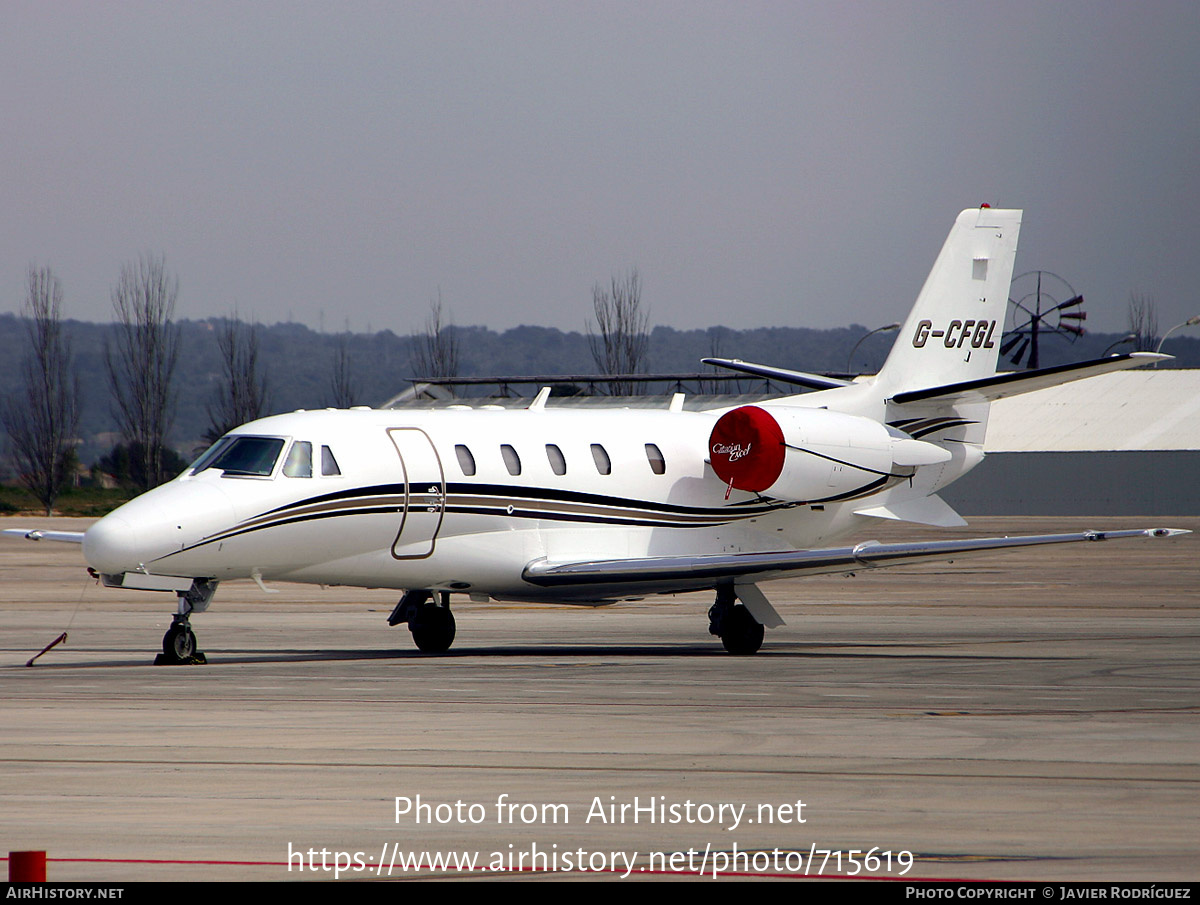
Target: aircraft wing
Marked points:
66	537
708	569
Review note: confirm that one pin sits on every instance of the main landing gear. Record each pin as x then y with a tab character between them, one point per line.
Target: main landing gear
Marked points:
431	622
739	631
179	643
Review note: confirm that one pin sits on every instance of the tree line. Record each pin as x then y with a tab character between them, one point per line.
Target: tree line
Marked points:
136	413
141	356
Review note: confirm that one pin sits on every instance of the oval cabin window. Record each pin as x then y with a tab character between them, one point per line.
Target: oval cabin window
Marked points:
511	460
600	456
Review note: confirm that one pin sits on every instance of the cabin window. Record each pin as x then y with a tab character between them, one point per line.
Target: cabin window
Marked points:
511	460
299	460
558	464
600	456
466	461
658	464
242	456
329	465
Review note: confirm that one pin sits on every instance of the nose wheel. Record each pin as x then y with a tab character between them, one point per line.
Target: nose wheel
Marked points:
179	645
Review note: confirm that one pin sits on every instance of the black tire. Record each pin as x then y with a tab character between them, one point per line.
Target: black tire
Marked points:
179	644
741	634
433	629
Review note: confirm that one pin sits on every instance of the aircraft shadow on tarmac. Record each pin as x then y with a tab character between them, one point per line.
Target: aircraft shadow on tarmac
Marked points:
777	649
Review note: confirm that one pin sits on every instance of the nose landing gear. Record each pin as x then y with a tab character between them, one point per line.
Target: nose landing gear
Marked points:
179	643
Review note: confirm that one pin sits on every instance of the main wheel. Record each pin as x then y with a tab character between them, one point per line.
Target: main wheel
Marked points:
433	629
179	644
741	633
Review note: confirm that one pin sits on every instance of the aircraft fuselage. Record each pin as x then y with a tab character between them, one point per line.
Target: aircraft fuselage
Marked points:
462	501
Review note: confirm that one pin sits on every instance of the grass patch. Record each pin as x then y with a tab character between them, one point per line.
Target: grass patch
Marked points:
82	502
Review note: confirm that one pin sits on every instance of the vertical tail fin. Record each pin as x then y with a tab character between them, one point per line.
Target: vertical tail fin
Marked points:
953	332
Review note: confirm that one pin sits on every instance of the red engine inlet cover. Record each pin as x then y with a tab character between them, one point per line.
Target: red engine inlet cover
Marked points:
746	448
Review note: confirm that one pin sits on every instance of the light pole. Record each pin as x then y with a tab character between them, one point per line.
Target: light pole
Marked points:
1190	322
1127	338
886	329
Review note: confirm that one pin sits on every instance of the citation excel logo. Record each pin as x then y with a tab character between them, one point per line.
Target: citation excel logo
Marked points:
734	452
959	333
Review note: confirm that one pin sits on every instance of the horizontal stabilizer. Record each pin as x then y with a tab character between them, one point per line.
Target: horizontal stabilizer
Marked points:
930	510
782	375
1013	383
706	570
66	537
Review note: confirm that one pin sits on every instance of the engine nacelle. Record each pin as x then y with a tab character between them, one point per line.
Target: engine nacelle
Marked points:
811	455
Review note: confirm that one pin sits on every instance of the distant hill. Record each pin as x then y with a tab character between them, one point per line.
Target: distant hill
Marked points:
298	362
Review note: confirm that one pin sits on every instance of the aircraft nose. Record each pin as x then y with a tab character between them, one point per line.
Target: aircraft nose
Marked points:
110	545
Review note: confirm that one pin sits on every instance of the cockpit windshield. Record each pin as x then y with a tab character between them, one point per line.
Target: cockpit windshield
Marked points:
252	456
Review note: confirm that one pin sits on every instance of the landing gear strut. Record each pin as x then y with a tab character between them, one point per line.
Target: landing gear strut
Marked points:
739	631
431	623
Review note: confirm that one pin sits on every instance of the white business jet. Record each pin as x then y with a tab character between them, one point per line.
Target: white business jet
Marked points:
595	506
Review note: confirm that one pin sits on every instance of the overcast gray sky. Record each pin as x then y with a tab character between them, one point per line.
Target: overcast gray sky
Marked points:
760	163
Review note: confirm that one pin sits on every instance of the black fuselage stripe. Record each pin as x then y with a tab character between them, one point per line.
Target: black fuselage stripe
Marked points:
502	511
522	492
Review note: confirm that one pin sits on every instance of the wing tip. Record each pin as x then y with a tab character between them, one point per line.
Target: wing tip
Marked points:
1167	532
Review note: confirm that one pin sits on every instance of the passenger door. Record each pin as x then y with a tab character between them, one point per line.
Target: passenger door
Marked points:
424	493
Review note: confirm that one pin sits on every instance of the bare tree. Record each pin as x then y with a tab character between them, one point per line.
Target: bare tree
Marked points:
141	361
435	352
42	420
623	334
242	394
342	385
1143	321
716	342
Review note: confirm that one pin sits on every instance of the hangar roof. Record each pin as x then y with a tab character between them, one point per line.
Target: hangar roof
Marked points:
1126	410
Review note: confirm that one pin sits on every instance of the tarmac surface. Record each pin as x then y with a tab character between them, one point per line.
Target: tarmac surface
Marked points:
1025	716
